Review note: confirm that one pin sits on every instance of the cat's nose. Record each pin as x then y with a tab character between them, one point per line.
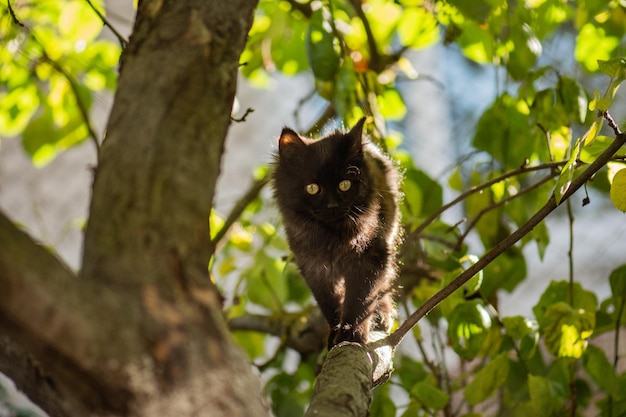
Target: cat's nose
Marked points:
332	205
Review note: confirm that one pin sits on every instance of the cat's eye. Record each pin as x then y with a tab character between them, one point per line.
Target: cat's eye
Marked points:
312	189
345	185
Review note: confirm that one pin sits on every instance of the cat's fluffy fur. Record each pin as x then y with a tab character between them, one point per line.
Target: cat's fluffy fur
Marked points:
338	196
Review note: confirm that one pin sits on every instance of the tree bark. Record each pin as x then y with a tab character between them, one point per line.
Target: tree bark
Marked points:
139	331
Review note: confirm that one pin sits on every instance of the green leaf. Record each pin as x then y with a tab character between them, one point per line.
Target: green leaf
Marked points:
253	343
78	22
383	17
391	105
418	28
265	282
527	48
506	272
570	172
418	184
574	97
617	279
298	290
600	370
288	398
559	291
320	47
468	328
382	405
566	327
344	94
614	68
593	44
566	330
489	378
477	10
590	152
472	286
542	396
17	107
429	395
503	131
476	43
518	326
618	190
410	371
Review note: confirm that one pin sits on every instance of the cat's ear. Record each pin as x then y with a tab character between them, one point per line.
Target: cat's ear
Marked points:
289	142
356	136
357	130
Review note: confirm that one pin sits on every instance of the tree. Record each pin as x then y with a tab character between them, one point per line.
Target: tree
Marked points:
164	347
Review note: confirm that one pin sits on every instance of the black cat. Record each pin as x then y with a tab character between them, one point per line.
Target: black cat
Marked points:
338	196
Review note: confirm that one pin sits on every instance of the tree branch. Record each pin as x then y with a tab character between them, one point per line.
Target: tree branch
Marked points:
395	338
46	317
344	386
304	331
517	171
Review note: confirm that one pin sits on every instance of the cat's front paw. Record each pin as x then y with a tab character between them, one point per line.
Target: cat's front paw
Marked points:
350	333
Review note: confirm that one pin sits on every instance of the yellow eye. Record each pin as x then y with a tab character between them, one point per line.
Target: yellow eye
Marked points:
345	185
312	189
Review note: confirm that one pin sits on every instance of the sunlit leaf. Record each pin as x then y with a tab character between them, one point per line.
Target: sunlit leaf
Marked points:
562	291
593	44
418	28
17	107
618	190
383	17
391	105
566	329
468	326
78	23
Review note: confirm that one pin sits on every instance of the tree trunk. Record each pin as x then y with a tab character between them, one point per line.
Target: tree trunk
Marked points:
139	332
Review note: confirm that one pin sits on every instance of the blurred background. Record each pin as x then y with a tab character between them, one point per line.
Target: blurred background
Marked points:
443	106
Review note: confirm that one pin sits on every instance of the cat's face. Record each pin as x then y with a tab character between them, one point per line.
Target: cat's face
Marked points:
324	179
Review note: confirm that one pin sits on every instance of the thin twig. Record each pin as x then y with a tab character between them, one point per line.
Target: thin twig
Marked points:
123	42
82	107
242	118
500	203
375	61
13	16
570	252
396	337
611	122
517	171
239	208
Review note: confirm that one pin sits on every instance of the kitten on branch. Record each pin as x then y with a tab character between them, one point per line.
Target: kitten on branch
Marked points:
338	196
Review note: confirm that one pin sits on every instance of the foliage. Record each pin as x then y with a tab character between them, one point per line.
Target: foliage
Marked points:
355	51
546	364
52	67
